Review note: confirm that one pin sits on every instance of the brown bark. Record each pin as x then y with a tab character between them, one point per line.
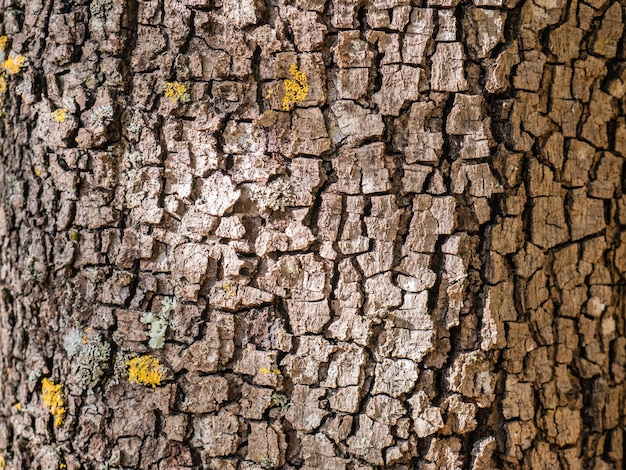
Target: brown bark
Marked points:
355	234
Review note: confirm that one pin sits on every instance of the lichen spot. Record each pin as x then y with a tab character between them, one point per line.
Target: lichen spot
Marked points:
228	288
14	63
3	84
272	370
145	370
296	90
177	92
60	115
4	40
52	395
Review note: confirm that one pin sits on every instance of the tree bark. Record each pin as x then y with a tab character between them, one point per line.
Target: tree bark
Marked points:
316	234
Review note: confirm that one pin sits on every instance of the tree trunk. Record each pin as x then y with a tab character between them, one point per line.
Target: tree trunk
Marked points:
316	234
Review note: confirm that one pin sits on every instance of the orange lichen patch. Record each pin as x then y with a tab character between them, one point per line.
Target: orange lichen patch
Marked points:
60	115
4	40
14	63
145	370
52	395
296	89
177	92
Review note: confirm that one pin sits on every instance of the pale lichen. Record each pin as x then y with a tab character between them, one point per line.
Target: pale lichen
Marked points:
278	399
92	362
135	125
145	370
73	341
34	374
177	92
120	367
273	197
265	461
52	395
101	115
157	324
100	8
296	90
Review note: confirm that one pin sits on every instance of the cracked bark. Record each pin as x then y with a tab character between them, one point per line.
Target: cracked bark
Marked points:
420	265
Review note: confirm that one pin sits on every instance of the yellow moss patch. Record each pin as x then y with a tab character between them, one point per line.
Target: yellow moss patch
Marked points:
3	42
177	92
14	63
145	370
52	395
60	115
296	89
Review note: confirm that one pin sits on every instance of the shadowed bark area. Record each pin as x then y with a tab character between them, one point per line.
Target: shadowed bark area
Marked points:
312	234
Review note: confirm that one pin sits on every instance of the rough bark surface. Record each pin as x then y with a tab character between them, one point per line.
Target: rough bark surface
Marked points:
355	234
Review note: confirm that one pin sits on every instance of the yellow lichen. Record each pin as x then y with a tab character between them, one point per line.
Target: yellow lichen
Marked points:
177	92
3	42
14	63
145	370
60	115
3	84
3	465
228	288
273	370
296	89
52	395
18	407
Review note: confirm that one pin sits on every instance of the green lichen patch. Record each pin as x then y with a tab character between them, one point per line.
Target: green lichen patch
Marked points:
92	362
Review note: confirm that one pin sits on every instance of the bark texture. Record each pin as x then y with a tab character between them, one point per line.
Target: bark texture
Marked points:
312	234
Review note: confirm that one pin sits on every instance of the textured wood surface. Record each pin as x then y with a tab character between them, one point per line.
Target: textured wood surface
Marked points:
381	233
